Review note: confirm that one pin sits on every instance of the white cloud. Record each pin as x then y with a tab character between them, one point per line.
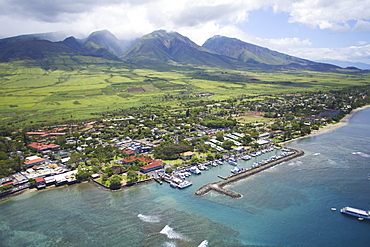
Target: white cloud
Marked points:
196	19
361	42
352	53
328	14
362	26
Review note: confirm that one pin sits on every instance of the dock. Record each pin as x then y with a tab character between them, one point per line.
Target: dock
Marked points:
218	186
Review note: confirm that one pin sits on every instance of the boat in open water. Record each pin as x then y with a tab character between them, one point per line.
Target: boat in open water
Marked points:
359	213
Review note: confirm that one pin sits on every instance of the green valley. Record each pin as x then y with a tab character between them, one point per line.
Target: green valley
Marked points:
67	88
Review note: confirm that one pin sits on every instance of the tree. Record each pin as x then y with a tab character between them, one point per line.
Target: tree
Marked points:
194	160
32	182
83	174
220	136
246	140
218	156
227	145
210	156
305	130
132	176
75	158
115	181
104	177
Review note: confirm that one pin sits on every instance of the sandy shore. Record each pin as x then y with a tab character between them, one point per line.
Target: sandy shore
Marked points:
330	127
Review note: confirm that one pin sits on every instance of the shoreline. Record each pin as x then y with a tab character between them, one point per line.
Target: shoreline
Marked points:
324	129
329	127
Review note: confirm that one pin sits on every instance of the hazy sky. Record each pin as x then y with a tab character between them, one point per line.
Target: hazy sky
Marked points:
312	29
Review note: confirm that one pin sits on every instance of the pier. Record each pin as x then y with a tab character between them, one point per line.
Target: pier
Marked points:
218	186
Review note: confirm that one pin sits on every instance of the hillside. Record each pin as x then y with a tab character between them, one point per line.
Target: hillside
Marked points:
162	47
157	48
26	48
257	55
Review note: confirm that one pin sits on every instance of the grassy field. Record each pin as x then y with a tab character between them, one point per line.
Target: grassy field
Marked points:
71	90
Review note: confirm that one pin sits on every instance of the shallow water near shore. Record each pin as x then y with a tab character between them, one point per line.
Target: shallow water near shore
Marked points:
287	205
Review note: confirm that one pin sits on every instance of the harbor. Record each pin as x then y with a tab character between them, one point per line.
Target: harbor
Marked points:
218	186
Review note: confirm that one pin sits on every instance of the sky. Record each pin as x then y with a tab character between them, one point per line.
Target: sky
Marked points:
311	29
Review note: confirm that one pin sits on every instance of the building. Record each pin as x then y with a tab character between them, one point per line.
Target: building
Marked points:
40	183
130	159
155	165
187	155
43	147
33	162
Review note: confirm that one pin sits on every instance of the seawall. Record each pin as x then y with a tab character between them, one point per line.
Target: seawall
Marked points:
218	186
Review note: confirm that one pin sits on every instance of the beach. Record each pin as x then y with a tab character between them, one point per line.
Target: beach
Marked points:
329	127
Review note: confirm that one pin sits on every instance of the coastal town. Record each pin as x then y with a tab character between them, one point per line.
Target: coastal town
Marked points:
155	143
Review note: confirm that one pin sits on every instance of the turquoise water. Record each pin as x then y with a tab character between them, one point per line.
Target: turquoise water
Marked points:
287	205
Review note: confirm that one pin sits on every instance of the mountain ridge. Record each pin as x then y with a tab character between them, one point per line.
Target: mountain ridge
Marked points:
158	47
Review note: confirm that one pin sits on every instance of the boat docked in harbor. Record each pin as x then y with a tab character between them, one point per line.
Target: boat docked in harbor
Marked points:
185	184
194	170
359	213
246	157
219	162
237	170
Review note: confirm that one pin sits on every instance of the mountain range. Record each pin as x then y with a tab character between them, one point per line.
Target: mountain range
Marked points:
158	47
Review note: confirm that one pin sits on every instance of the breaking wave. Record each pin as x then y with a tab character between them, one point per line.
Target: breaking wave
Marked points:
171	234
169	244
362	154
203	244
149	218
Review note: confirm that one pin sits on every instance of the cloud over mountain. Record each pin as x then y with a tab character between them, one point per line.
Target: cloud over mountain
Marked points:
197	19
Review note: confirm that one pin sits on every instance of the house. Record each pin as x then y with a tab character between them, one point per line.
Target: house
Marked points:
133	158
40	183
187	155
130	152
43	147
33	162
155	165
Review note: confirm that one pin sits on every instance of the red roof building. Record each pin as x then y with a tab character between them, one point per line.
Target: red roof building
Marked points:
155	165
43	147
129	152
133	158
38	161
40	182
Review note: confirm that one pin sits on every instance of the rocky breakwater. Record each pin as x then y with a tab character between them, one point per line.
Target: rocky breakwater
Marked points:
218	186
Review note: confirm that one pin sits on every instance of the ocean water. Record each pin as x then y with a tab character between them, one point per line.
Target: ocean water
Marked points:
287	205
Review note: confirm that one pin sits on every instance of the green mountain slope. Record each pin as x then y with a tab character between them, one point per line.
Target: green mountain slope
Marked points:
30	48
253	54
161	47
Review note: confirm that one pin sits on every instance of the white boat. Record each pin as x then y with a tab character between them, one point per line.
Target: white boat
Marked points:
359	213
202	167
236	170
333	209
233	163
219	162
173	184
185	184
194	170
246	157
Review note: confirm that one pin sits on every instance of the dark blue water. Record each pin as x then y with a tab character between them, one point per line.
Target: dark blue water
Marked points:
287	205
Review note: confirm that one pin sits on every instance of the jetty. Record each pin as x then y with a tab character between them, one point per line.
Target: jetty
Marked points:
218	186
